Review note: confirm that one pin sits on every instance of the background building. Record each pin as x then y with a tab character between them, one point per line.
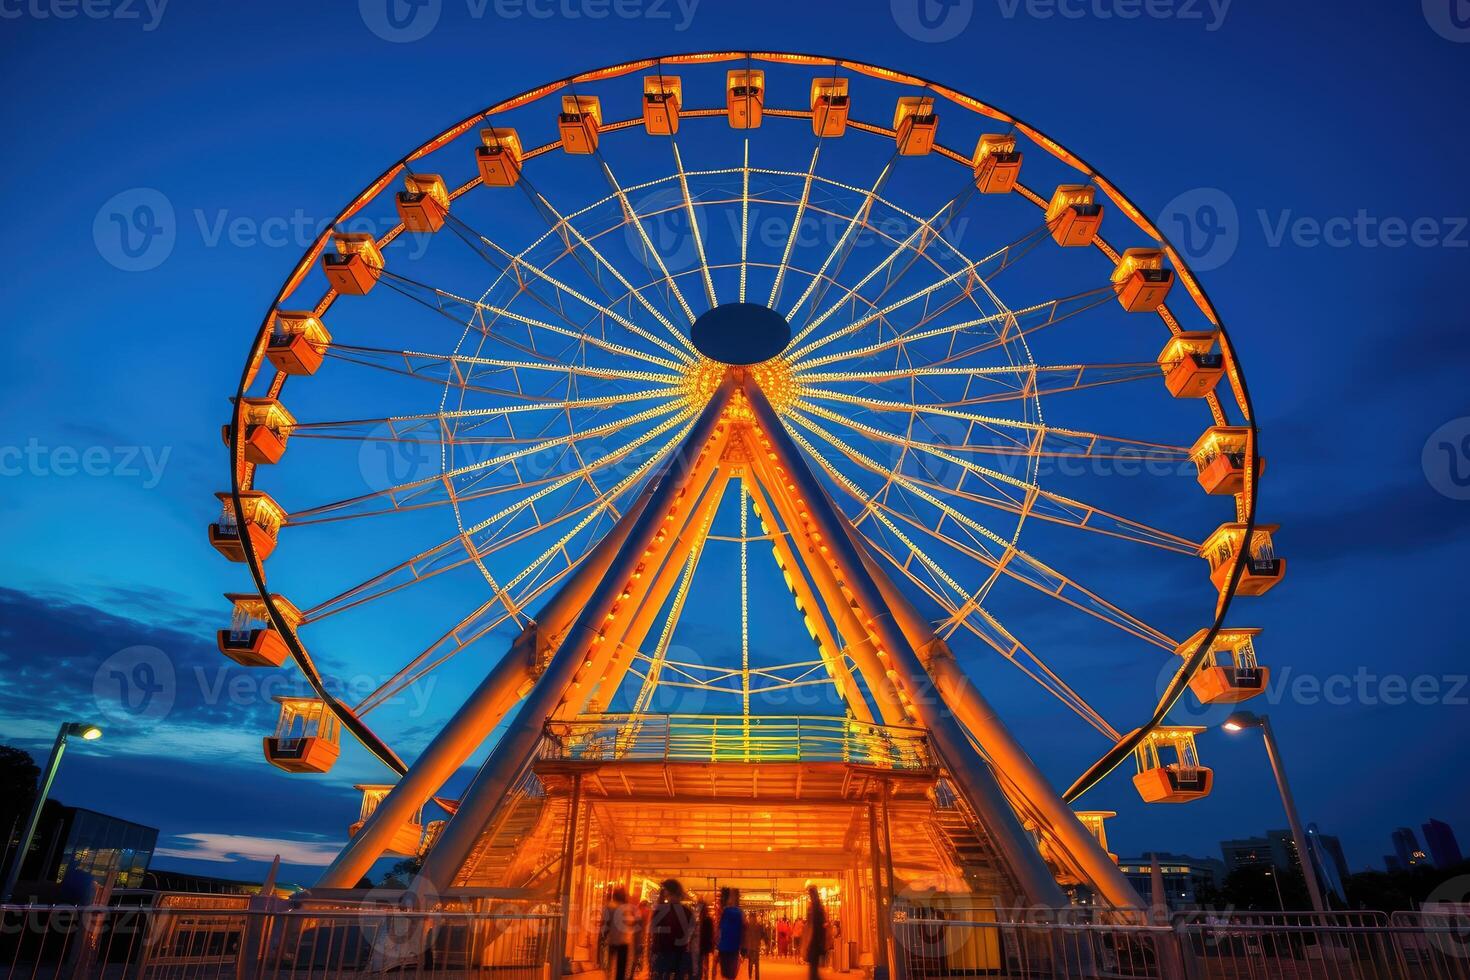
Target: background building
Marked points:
1444	849
72	841
1247	852
1407	850
1184	876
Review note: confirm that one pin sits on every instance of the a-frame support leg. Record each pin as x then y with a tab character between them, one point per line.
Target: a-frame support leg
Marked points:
964	699
617	592
505	684
825	525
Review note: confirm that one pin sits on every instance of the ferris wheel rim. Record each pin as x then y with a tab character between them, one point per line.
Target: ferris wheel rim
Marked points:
1197	292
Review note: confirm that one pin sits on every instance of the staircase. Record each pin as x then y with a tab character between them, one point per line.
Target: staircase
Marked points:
969	847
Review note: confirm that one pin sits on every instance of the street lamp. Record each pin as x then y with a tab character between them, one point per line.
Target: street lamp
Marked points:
82	730
1239	722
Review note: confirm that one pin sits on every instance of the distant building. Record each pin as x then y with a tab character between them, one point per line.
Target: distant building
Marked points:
164	880
1406	848
1444	849
72	841
1247	852
1330	862
1184	876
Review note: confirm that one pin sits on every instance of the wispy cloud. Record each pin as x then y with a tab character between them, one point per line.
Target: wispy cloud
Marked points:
231	848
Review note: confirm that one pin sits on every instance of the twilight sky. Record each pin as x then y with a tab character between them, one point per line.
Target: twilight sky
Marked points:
1309	157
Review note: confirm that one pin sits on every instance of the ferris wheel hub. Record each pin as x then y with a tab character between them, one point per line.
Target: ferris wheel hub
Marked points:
740	333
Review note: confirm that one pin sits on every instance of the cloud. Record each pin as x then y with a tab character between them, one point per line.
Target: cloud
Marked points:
230	848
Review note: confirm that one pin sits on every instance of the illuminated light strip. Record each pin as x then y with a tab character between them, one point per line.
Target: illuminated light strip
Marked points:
858	216
744	217
806	193
709	284
652	310
1167	542
338	603
986	420
632	215
600	401
1070	698
579	370
579	336
1130	624
863	321
1010	319
676	609
745	610
519	261
502	459
921	372
907	243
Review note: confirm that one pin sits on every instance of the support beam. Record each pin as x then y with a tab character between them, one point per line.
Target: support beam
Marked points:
860	642
611	666
807	602
664	496
507	682
975	713
828	529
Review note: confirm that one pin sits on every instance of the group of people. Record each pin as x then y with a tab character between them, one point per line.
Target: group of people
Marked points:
682	941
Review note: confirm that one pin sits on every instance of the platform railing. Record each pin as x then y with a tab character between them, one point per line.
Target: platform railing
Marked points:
941	943
736	738
140	943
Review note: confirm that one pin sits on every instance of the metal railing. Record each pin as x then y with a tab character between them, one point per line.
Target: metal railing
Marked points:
938	945
52	943
208	942
737	738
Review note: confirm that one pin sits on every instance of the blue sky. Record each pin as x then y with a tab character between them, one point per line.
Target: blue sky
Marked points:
1312	151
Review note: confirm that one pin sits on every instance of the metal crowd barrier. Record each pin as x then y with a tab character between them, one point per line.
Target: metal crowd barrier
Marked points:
1191	946
137	943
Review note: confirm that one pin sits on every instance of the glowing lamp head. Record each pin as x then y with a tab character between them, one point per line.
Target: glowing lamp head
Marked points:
1239	721
86	731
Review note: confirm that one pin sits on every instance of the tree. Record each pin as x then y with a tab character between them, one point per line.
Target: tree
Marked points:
19	775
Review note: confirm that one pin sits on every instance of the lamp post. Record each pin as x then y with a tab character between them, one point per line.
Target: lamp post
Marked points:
85	731
1239	722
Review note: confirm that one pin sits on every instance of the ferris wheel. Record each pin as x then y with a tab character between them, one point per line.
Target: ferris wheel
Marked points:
999	370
